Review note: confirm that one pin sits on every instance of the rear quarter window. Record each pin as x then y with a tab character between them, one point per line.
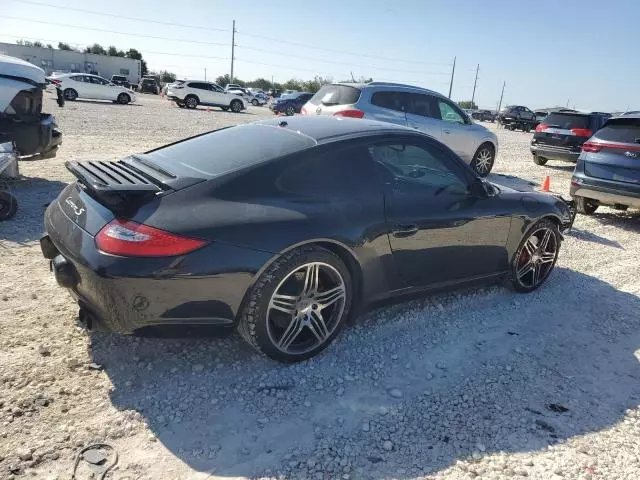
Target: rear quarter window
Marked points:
336	95
391	100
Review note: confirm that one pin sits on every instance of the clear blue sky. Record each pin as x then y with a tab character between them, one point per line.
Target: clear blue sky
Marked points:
549	52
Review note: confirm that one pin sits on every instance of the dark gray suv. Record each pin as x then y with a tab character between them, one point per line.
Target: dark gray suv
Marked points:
415	107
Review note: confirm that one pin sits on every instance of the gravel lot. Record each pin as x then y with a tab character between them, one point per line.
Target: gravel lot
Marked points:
483	383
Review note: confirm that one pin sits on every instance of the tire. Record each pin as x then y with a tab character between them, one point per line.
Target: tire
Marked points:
534	261
586	206
191	102
289	111
540	160
70	94
484	159
272	331
235	106
181	105
254	102
123	99
225	109
8	206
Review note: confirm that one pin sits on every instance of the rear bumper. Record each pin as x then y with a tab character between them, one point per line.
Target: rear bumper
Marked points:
554	153
126	294
606	195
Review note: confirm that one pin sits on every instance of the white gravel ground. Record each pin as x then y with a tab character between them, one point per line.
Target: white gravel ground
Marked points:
477	384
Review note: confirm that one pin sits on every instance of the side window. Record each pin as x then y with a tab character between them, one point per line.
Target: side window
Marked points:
216	88
199	86
391	100
423	105
424	165
448	113
77	78
346	172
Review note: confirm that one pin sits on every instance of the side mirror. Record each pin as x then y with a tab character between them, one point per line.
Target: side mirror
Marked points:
479	188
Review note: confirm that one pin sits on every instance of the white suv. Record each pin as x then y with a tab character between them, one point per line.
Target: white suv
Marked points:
192	93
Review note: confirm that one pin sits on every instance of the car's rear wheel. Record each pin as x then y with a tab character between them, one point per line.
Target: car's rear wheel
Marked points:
70	94
536	256
298	305
538	160
8	206
289	111
236	106
586	206
225	109
483	160
191	101
123	99
254	102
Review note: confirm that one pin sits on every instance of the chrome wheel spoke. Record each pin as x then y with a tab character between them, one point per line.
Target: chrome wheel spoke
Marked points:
547	257
325	299
317	325
530	247
525	269
283	303
536	274
291	333
545	240
311	279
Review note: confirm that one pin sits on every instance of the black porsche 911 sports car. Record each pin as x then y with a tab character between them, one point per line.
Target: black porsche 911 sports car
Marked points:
284	228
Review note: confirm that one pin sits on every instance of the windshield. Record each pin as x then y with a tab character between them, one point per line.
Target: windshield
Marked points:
336	95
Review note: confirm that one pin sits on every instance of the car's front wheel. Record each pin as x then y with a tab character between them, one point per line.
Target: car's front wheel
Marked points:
298	305
123	99
289	111
586	206
70	94
483	160
536	256
236	106
8	206
254	102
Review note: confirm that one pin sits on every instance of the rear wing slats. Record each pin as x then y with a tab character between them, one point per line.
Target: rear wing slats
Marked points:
113	177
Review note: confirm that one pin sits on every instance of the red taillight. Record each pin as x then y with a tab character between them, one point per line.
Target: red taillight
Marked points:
582	132
542	127
303	111
591	147
56	82
353	113
132	239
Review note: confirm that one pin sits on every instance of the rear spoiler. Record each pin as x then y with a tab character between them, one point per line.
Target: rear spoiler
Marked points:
118	183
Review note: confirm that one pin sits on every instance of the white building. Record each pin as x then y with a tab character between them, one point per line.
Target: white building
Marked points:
53	60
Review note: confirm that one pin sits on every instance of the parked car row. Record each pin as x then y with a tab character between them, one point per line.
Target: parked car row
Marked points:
86	86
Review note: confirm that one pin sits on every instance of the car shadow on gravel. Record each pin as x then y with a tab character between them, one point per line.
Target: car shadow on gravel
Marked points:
34	194
587	236
411	388
626	220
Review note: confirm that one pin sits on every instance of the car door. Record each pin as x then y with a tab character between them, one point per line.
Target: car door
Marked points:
203	92
388	106
423	114
217	95
456	129
527	114
102	88
439	230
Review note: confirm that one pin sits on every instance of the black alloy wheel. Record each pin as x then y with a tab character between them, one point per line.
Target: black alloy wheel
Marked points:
536	256
298	305
483	160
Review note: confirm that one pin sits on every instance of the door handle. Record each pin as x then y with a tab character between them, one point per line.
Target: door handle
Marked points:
402	231
446	131
415	126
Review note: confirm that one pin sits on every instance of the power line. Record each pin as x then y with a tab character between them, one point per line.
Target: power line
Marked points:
173	39
339	51
112	15
341	63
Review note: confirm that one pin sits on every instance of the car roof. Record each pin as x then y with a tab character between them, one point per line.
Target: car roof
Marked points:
390	85
623	118
323	129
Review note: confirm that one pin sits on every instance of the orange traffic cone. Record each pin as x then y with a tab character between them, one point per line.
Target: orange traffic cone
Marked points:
546	184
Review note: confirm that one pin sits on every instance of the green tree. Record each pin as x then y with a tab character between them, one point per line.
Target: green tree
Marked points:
64	46
114	52
49	45
468	104
38	44
167	77
136	55
96	48
224	80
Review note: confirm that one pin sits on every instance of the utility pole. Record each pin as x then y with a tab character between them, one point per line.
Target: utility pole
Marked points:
501	95
475	82
453	71
205	74
233	48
